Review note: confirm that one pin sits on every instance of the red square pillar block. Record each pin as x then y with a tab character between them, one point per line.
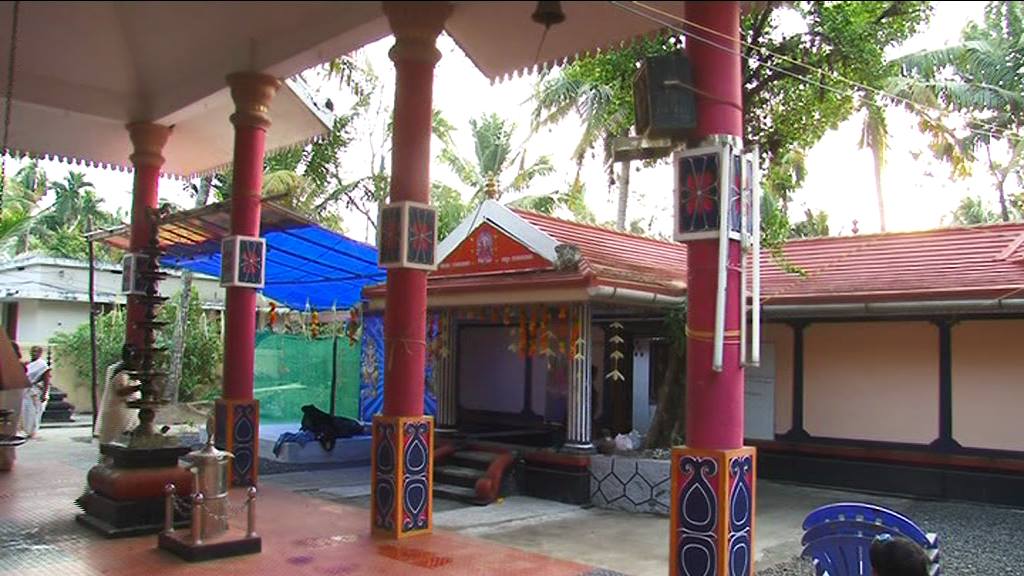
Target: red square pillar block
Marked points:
403	476
712	512
237	425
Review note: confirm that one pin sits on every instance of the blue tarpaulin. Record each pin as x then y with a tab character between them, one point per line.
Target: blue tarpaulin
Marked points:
306	264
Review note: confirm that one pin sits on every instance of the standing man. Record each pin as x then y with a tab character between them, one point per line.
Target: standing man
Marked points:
115	418
38	392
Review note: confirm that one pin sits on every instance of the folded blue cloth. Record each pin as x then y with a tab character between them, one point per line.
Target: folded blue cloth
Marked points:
299	438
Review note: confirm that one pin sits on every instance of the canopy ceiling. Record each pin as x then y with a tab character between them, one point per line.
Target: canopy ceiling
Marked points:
85	69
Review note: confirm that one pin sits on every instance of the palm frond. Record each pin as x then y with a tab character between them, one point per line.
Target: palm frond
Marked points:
526	175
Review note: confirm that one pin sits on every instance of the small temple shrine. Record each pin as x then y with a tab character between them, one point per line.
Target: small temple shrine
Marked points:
535	325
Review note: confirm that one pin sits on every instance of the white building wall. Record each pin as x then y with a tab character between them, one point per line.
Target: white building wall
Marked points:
38	320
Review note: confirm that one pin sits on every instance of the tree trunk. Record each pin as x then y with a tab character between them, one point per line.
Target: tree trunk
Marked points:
1004	212
1000	176
878	191
670	404
620	221
178	340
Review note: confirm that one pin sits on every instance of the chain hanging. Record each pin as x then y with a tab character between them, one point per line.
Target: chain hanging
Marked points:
183	507
8	95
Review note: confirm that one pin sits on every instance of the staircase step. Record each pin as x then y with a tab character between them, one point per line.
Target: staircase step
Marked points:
457	475
460	493
474	458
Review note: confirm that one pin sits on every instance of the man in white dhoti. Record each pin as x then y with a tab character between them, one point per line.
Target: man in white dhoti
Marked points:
115	417
37	394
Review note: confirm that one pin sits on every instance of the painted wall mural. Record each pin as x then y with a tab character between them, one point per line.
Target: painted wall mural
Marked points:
371	389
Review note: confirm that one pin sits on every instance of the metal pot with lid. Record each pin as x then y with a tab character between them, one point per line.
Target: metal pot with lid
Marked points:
210	467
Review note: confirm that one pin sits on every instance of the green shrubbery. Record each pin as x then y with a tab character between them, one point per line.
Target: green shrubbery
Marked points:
201	363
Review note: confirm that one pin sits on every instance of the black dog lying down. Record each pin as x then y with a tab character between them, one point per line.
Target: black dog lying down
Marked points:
327	429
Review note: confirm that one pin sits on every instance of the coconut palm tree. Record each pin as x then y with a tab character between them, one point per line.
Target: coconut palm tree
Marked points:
14	224
496	168
982	80
972	211
603	115
599	90
74	203
875	136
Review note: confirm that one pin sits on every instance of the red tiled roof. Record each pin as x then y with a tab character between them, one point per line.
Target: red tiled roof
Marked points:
979	262
617	257
950	263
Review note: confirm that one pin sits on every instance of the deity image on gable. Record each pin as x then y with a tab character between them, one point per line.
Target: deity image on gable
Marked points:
485	247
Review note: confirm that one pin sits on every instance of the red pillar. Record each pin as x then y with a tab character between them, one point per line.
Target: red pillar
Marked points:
237	412
148	142
713	476
403	436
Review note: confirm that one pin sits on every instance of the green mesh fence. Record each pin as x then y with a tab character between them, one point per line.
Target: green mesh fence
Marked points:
292	371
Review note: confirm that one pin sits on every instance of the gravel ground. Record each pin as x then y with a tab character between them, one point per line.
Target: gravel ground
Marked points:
974	539
795	567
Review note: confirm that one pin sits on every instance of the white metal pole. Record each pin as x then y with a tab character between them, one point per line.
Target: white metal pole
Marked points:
723	257
744	252
755	189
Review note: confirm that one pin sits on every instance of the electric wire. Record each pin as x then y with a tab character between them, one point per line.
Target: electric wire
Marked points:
993	131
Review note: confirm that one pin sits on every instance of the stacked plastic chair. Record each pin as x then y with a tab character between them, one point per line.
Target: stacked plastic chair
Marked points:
838	537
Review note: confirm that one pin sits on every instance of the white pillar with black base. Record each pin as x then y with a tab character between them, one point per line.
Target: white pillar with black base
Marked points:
578	424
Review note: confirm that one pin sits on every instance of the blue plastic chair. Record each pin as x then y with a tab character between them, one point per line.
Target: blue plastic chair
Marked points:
837	537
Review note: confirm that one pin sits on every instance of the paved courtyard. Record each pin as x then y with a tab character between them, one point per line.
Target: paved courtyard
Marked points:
316	522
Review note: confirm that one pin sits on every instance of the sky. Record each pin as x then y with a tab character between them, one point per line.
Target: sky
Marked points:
840	179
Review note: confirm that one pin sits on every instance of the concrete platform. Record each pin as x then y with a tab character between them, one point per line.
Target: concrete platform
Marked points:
354	451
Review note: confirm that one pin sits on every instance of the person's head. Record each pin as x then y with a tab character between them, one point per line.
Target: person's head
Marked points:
129	355
896	556
35	353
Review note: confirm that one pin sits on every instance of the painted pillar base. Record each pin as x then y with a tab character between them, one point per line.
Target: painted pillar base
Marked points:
713	496
403	476
237	425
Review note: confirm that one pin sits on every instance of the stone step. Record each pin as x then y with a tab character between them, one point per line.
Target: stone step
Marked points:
457	475
474	458
58	406
459	493
59	416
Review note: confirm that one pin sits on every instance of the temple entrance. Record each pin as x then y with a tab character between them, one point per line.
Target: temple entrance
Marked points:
505	395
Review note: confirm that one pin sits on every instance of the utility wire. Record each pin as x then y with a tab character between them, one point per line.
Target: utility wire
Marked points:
993	131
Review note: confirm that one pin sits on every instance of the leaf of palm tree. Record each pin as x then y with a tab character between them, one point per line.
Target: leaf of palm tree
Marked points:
525	176
464	170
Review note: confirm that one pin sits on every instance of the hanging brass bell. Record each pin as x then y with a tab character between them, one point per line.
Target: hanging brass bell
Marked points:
548	14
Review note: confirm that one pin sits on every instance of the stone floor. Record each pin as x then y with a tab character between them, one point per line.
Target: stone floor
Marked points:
315	522
301	535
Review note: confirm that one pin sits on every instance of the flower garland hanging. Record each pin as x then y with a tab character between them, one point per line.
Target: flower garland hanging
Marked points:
314	325
272	317
354	325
